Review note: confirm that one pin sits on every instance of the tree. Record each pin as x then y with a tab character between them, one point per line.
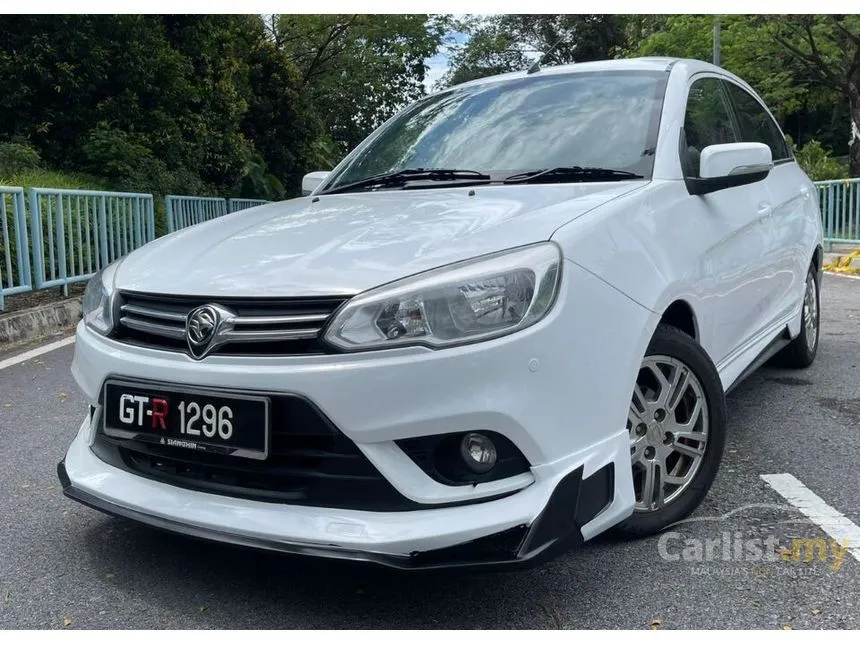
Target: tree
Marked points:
490	50
509	42
829	48
746	49
358	70
801	103
170	103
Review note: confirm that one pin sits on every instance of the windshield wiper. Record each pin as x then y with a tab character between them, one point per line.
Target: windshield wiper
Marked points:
570	173
401	177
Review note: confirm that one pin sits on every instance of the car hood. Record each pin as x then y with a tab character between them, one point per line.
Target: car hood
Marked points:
343	244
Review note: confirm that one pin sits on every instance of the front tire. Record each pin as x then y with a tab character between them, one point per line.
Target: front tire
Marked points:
677	427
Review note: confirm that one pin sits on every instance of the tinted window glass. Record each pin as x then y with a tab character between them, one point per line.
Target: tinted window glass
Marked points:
707	121
586	119
755	123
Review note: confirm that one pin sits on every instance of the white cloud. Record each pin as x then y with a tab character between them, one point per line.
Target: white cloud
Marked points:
439	63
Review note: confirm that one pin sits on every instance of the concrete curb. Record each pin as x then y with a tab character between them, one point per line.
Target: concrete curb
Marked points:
32	324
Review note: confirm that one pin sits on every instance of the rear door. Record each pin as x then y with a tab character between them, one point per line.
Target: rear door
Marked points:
789	196
738	224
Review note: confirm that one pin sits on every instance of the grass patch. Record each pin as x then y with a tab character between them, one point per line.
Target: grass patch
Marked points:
42	178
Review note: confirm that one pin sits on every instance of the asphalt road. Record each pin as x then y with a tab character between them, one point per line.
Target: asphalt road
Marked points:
61	561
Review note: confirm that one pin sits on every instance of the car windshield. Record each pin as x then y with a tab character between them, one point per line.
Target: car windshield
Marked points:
588	119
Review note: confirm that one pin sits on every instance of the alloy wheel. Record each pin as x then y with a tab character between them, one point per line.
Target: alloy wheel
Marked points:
810	311
668	427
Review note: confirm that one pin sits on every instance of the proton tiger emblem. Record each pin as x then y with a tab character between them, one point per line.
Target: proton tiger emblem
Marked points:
204	327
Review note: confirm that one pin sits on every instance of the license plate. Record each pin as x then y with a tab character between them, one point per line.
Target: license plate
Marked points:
188	418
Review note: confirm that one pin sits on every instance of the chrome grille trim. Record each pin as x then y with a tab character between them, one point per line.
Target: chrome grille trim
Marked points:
281	320
285	326
153	313
254	336
156	329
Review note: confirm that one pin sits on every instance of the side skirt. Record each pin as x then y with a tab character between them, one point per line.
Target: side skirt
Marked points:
764	356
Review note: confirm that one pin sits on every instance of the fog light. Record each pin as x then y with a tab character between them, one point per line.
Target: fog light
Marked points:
478	452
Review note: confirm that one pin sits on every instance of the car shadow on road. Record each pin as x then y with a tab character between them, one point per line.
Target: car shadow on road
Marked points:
283	591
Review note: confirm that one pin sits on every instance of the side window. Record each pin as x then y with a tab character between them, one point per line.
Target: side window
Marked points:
707	121
756	124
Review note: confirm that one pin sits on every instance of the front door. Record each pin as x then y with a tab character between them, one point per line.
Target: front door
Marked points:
789	197
739	227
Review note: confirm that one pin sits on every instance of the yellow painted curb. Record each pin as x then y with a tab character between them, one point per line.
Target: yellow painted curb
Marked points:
843	264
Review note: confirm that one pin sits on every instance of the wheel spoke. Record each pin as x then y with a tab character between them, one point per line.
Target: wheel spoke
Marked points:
634	417
637	448
695	413
690	434
659	488
639	406
665	386
649	484
680	382
691	451
674	480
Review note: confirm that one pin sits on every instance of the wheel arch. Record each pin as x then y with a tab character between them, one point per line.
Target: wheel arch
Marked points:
818	259
680	315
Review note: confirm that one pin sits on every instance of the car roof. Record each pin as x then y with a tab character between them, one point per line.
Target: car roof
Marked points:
645	63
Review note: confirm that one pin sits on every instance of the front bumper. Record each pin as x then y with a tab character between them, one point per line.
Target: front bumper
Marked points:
556	530
528	527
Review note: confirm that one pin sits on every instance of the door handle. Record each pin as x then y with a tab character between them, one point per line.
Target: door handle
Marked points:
764	209
804	192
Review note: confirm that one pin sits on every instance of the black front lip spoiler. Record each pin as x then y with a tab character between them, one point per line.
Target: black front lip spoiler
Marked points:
557	529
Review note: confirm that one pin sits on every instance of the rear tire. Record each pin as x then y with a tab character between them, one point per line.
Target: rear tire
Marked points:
677	427
800	353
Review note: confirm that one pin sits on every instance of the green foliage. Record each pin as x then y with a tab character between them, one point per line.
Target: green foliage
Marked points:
18	157
490	50
817	162
247	105
116	155
747	48
44	178
358	70
508	42
204	103
827	47
801	65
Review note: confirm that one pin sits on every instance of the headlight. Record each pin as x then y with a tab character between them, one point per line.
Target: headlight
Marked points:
465	302
97	303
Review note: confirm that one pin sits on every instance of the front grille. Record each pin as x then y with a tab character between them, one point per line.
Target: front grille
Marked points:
310	463
261	327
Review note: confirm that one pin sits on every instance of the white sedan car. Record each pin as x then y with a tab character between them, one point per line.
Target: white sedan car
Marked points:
504	324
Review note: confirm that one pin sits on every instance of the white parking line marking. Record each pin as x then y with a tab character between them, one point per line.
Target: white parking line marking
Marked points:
820	513
33	353
844	275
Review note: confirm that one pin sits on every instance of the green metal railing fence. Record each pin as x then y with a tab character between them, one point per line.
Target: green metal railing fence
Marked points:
185	210
839	201
76	232
14	246
237	204
56	237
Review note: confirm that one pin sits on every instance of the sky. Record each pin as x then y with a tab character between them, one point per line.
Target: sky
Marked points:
438	64
437	67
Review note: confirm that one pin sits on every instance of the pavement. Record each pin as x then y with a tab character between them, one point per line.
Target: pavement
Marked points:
63	565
